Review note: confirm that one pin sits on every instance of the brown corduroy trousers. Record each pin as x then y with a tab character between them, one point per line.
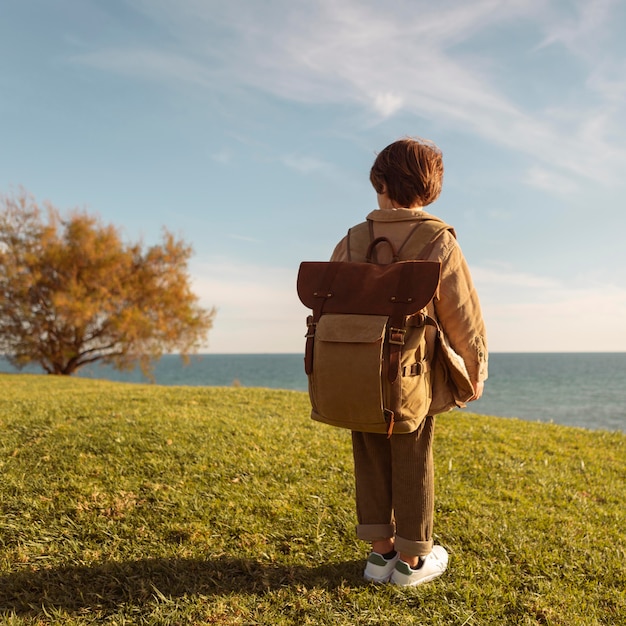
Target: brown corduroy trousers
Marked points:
395	488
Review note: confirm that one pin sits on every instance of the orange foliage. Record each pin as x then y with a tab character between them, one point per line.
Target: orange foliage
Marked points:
72	292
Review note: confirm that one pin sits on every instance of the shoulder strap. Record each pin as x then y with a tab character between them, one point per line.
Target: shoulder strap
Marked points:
427	250
418	244
422	239
358	239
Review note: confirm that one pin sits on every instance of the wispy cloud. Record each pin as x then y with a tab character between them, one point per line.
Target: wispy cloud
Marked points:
303	163
147	62
388	103
244	238
533	313
578	31
257	306
223	156
551	181
414	58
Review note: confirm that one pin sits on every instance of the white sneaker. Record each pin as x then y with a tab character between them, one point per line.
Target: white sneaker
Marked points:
433	565
379	569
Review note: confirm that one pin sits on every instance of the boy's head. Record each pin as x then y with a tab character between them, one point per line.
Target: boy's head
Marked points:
409	171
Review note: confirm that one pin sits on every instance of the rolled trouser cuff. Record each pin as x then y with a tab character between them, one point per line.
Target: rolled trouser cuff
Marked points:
375	532
413	548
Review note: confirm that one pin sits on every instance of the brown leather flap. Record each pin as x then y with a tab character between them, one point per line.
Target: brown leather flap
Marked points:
401	288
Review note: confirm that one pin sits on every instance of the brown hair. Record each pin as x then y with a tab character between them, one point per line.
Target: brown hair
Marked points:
410	171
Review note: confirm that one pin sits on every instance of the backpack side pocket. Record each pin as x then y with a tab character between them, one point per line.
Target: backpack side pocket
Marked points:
416	381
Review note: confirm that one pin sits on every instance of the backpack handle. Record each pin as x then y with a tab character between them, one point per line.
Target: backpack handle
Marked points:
370	249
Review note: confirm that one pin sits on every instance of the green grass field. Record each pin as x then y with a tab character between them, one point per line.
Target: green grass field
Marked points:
139	504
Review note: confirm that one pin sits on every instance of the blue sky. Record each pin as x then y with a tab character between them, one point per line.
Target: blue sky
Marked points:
248	128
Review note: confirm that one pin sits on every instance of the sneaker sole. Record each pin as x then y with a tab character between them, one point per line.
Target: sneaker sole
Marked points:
376	579
421	581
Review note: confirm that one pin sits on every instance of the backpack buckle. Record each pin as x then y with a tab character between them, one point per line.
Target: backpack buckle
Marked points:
390	421
415	369
311	326
396	336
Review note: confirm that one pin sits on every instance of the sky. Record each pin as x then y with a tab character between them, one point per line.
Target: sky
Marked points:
248	129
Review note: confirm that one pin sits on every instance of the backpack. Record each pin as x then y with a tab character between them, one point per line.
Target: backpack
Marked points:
366	353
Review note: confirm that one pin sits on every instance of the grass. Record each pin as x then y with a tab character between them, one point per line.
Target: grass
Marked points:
139	504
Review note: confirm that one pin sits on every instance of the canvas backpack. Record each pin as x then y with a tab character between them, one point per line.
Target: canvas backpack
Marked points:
366	353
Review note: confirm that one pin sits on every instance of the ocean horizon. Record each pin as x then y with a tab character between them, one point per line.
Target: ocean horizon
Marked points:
576	389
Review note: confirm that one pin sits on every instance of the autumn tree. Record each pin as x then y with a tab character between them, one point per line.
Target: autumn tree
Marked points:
72	292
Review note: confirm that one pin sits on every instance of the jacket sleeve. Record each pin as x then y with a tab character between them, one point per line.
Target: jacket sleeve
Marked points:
458	310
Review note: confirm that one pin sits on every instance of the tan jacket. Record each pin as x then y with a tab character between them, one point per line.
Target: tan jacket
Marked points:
456	306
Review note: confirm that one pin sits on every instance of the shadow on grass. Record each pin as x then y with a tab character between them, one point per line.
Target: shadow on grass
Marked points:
109	585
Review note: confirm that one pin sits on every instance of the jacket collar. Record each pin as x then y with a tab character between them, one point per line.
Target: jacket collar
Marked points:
397	215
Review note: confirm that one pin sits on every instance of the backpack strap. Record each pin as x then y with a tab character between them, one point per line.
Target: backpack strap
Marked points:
422	239
358	239
418	244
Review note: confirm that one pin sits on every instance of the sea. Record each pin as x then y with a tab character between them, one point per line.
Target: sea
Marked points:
586	390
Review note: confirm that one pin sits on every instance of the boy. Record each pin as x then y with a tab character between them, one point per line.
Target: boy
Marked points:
395	475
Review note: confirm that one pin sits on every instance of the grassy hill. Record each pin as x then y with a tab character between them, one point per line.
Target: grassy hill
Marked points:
139	504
